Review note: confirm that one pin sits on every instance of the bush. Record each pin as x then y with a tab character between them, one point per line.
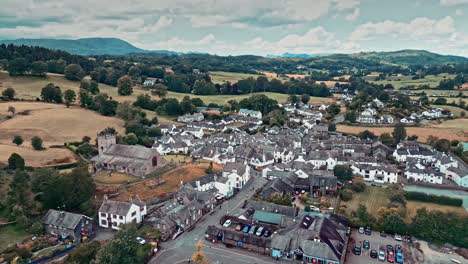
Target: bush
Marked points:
15	161
430	198
86	150
18	140
85	253
346	195
358	186
36	142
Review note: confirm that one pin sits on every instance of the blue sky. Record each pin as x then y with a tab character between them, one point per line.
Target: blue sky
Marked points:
259	27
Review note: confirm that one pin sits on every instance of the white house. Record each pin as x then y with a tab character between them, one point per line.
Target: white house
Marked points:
238	173
251	113
380	173
149	82
424	174
204	183
224	186
113	214
367	116
378	103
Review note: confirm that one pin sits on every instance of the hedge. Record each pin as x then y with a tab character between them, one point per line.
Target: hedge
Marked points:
430	198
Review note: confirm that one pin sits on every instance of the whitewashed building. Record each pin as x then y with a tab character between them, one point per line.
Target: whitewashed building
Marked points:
113	214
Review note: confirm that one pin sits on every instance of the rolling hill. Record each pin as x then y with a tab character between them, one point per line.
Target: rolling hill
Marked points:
85	46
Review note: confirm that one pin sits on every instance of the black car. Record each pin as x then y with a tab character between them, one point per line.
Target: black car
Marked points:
266	233
366	244
390	249
357	250
373	254
382	234
398	249
368	231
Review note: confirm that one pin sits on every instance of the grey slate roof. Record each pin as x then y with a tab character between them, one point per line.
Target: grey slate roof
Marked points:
115	207
62	219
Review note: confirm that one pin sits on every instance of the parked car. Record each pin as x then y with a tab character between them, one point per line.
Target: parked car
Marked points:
382	234
259	231
399	258
252	230
373	253
389	249
314	208
368	231
397	237
357	250
366	244
239	227
227	223
246	229
348	231
398	249
382	255
361	230
266	233
391	257
141	240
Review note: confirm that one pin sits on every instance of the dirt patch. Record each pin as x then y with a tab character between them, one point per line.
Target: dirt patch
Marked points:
331	83
172	180
35	158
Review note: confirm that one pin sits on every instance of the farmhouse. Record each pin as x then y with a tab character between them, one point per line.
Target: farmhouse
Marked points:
67	225
113	214
136	160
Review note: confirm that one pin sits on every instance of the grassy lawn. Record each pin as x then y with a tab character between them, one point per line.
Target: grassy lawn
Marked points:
177	158
400	81
114	177
372	198
413	206
11	235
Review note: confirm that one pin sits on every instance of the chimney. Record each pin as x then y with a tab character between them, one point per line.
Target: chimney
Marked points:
105	197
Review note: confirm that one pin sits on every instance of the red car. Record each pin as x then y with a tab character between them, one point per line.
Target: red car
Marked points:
391	257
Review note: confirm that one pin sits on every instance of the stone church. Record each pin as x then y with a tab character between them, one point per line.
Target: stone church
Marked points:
135	160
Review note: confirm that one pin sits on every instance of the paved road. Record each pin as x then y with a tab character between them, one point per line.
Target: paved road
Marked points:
182	249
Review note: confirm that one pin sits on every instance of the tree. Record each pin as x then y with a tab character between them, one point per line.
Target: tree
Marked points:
86	139
305	98
18	66
440	101
393	223
85	253
11	109
86	150
198	257
293	99
366	134
331	127
131	139
125	85
121	249
38	68
74	72
387	139
160	90
36	142
18	140
202	87
399	132
350	116
154	132
9	92
333	109
15	162
69	97
51	93
343	173
346	195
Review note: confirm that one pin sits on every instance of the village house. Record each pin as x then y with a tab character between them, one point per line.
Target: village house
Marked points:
367	116
381	173
136	160
224	186
113	214
421	173
67	225
187	118
204	183
238	173
149	82
251	113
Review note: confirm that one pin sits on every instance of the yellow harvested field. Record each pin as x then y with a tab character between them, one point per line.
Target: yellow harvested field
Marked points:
54	123
108	177
331	83
34	158
456	129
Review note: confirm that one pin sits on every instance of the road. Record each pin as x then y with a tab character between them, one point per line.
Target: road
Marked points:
181	249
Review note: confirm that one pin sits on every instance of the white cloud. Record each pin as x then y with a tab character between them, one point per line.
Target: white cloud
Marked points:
178	44
458	12
453	2
353	16
418	28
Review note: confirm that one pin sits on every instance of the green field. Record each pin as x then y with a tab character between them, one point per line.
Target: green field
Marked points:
232	77
400	81
455	110
11	235
223	99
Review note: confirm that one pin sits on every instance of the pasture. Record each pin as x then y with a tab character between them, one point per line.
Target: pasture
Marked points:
455	110
11	234
400	81
223	99
232	77
450	129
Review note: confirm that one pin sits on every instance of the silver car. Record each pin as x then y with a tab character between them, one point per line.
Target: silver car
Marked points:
382	255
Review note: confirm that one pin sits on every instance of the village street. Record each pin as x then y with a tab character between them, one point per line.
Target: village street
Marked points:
181	249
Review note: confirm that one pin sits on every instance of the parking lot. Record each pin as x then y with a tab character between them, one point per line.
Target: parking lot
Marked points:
247	227
377	243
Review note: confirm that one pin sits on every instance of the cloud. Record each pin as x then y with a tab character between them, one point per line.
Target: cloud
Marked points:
458	12
178	44
353	16
418	28
453	2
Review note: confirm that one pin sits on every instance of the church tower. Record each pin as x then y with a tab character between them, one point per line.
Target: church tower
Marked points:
105	142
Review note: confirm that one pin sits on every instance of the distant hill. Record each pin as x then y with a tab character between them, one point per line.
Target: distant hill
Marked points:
410	57
86	46
294	55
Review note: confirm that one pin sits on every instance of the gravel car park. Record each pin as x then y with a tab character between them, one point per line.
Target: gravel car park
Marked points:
377	243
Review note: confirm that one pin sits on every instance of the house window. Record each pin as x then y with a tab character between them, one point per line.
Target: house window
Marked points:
121	217
133	214
155	161
114	216
103	222
103	214
142	208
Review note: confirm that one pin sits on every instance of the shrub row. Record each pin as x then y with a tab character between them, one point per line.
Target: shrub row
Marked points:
430	198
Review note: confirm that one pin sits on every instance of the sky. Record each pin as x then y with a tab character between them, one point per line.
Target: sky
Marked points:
238	27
